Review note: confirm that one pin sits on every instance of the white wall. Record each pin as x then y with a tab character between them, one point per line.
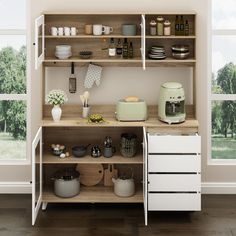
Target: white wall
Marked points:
209	173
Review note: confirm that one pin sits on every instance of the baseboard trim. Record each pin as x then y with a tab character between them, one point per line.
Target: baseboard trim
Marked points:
218	188
15	188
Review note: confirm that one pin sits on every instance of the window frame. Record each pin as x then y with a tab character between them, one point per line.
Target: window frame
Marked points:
211	97
21	97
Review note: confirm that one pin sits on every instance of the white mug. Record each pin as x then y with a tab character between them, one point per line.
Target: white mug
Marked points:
108	29
60	31
67	31
53	31
98	29
73	31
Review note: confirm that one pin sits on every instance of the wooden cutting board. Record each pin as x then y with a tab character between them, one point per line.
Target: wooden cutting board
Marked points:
108	174
90	174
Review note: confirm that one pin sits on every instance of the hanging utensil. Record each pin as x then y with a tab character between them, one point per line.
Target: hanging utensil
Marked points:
72	79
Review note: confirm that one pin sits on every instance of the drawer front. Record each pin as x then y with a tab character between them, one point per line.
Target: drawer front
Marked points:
174	182
174	163
174	202
174	144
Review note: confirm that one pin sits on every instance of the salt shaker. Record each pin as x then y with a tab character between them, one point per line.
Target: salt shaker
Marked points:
153	27
160	26
167	28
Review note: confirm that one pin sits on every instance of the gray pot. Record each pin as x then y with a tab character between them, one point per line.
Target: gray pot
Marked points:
66	184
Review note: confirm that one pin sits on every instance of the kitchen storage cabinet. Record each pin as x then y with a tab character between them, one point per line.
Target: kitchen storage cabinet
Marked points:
167	166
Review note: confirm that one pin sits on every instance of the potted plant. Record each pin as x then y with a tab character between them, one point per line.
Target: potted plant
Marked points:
56	98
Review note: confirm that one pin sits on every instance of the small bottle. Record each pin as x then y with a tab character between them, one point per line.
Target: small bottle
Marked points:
186	28
112	48
131	50
119	48
167	28
153	27
181	25
125	49
177	25
160	26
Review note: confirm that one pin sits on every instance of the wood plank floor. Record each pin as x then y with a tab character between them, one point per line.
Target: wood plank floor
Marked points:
218	217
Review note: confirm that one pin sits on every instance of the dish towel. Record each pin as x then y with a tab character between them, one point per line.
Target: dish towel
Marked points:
93	75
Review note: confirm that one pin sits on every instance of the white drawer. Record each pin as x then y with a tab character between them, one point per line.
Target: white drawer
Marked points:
174	182
174	163
174	144
174	201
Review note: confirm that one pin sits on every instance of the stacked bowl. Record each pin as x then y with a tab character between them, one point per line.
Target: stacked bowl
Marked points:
180	51
63	51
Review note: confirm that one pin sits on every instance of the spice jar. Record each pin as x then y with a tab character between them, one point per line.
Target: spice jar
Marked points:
160	26
153	27
167	28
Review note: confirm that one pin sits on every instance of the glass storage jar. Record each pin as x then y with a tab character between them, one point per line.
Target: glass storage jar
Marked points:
160	26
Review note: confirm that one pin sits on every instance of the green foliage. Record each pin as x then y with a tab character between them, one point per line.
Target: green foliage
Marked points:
13	81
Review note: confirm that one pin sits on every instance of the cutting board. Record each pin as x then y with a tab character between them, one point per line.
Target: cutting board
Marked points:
90	174
108	174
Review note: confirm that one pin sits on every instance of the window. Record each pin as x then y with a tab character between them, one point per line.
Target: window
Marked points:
13	95
223	80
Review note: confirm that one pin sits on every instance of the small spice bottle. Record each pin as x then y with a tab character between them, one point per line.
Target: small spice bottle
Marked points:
153	27
167	28
160	25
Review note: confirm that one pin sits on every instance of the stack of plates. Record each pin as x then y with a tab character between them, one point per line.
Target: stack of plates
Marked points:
63	51
157	53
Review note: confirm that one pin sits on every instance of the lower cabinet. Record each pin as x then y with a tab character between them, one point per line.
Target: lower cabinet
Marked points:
174	172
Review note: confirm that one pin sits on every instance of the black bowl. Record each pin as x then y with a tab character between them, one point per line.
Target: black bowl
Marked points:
79	151
85	54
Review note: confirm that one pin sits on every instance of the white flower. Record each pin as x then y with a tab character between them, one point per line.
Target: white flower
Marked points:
56	97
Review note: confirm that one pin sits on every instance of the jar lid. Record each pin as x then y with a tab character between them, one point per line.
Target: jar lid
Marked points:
167	23
153	23
160	18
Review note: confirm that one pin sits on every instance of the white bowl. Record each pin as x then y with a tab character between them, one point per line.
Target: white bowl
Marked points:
63	56
63	47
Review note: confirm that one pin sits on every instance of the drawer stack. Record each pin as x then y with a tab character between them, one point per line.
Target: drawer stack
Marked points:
174	173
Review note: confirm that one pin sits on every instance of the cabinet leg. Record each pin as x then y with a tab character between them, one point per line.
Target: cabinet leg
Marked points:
44	206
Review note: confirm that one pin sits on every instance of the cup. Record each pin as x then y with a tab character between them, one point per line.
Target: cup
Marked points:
108	29
60	31
98	29
67	31
53	31
109	151
73	31
85	112
88	29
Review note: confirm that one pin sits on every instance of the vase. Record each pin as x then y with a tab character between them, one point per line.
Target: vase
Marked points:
85	112
56	113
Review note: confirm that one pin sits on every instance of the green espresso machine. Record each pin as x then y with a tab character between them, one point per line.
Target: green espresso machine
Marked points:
171	107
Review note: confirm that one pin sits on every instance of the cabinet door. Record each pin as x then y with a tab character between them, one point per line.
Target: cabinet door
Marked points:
143	40
145	164
39	41
36	174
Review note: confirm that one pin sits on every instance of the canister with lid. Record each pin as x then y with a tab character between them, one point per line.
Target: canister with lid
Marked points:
160	25
153	27
167	28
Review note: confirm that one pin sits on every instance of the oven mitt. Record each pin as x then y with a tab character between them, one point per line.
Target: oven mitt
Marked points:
93	75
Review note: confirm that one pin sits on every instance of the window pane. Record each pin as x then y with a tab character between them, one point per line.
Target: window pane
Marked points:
223	65
12	14
12	130
12	64
224	14
224	130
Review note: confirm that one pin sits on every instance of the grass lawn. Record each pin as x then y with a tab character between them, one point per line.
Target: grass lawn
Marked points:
10	148
223	148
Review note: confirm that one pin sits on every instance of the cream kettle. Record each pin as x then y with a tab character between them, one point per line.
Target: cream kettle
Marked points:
124	187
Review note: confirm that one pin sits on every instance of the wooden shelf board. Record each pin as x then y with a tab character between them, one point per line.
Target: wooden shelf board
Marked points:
116	159
96	194
170	37
81	36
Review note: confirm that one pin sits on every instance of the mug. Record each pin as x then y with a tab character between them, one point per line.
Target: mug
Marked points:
88	29
53	31
67	31
60	31
73	31
98	29
108	29
109	151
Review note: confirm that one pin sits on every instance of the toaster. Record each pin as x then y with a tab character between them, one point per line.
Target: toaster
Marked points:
131	111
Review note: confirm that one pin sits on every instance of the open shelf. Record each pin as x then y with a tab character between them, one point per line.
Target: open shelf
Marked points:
85	36
116	159
170	37
98	194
